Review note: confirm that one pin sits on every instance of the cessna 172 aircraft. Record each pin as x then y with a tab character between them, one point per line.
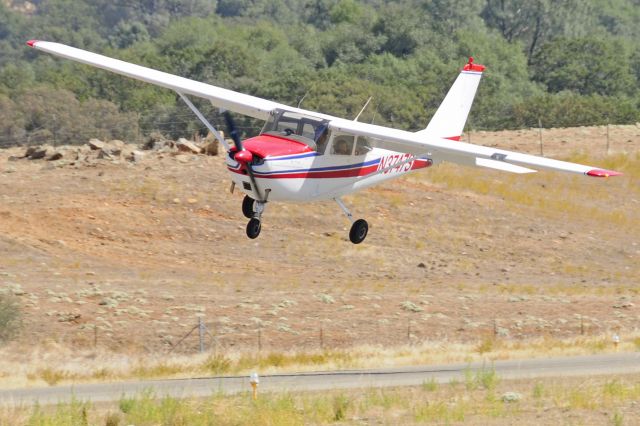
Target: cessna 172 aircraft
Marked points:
304	155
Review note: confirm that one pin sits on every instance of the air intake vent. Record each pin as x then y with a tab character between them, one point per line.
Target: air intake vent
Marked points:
246	185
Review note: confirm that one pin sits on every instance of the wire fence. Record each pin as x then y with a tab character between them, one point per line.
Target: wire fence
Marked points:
207	337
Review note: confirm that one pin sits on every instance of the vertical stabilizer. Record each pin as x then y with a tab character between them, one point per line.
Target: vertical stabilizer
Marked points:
449	120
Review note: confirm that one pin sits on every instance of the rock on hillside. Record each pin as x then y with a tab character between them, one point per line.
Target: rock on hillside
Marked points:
116	150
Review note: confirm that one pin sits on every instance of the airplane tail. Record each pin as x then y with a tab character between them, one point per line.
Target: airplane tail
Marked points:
449	120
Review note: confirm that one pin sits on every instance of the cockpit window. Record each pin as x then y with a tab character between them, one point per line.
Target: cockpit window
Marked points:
362	146
321	137
342	145
299	127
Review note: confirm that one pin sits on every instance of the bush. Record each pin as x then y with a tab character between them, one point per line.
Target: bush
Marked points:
10	318
568	109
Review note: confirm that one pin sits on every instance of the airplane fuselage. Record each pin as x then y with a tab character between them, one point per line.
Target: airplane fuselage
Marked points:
291	171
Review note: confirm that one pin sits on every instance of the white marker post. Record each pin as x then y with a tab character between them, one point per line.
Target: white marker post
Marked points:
254	380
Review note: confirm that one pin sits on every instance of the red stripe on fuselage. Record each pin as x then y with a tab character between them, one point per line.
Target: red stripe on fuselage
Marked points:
332	174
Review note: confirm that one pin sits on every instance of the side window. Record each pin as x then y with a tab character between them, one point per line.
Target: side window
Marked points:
362	146
308	131
321	138
284	125
342	145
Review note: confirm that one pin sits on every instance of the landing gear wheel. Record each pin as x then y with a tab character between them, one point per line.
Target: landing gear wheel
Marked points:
358	231
247	207
253	228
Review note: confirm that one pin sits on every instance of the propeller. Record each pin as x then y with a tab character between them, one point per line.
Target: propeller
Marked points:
242	155
233	130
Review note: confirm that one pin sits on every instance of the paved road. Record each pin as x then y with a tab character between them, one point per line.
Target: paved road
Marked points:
623	363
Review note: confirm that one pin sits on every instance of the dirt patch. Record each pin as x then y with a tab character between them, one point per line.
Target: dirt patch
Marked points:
139	251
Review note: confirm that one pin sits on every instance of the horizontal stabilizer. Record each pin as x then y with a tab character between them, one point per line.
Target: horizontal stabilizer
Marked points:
501	165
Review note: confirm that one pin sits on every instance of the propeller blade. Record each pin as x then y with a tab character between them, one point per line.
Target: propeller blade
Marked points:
233	130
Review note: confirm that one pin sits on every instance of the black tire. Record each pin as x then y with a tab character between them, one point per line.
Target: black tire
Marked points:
247	207
253	228
358	231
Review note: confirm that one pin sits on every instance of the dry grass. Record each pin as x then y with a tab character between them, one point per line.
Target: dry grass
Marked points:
553	194
56	365
482	399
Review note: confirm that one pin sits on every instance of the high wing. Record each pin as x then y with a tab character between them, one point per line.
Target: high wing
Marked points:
429	142
223	98
461	152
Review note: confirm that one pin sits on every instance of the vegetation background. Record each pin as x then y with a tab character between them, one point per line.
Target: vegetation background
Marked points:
562	63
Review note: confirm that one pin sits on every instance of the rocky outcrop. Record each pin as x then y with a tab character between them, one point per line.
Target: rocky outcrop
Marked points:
185	145
116	150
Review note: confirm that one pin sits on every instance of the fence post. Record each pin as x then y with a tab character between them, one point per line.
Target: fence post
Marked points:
201	330
540	136
259	340
321	339
607	138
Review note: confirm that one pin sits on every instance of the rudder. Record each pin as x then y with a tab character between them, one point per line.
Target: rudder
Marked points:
450	118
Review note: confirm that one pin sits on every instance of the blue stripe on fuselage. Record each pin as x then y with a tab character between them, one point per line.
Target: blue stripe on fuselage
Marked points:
323	169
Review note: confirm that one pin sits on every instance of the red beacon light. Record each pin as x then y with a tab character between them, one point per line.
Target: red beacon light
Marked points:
473	67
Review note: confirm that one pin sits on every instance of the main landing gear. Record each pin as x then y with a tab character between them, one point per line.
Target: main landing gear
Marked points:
253	210
359	228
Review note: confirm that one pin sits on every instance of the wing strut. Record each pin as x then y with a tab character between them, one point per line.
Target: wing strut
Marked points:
204	121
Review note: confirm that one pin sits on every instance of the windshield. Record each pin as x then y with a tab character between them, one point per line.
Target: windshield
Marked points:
308	130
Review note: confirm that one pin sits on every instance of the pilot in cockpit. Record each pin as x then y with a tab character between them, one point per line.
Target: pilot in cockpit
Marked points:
341	147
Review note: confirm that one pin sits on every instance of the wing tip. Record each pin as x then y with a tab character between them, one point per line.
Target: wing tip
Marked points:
31	43
602	173
470	66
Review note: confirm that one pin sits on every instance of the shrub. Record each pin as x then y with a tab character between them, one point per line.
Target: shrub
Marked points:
217	364
10	318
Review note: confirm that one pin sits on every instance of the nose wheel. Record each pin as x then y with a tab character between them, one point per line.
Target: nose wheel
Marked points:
253	210
253	228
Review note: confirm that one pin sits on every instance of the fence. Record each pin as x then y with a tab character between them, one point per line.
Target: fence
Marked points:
406	332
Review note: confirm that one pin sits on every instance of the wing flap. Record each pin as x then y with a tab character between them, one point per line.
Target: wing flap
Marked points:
501	165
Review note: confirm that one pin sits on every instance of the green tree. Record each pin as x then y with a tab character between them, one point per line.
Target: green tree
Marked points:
12	123
588	65
534	22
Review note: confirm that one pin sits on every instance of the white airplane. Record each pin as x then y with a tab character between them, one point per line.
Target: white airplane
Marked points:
304	155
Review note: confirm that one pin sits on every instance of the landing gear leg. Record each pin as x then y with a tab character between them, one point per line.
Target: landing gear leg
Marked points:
256	208
359	228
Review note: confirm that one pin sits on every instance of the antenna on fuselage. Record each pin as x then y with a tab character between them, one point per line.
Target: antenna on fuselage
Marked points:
363	108
302	99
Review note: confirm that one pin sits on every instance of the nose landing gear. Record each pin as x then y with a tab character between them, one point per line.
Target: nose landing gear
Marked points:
253	209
